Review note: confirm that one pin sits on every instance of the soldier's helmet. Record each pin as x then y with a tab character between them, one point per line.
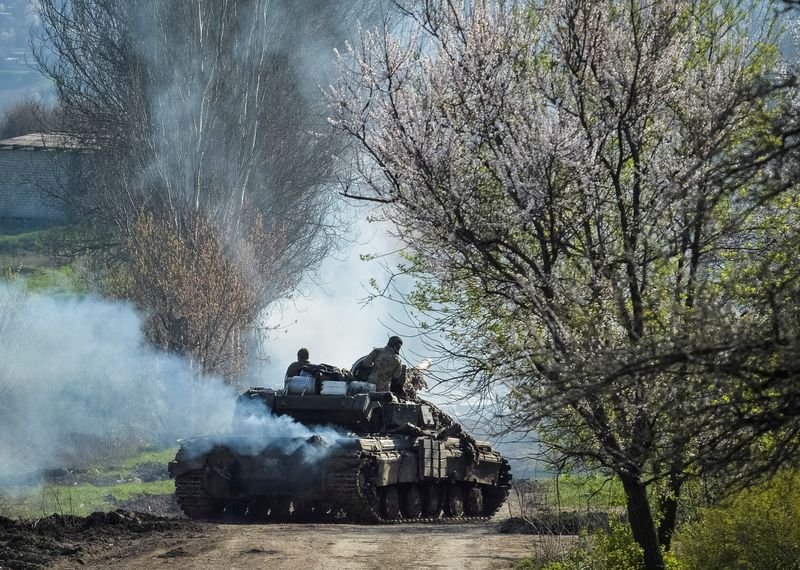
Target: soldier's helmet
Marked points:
395	342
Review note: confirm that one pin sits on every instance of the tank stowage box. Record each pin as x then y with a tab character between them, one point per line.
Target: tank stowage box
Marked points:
377	459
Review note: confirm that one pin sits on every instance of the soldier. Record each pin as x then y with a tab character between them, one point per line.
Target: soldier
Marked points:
295	367
384	365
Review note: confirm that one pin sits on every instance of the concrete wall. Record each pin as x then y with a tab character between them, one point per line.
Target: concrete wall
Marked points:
32	180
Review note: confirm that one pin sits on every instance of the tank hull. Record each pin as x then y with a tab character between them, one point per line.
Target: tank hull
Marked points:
365	478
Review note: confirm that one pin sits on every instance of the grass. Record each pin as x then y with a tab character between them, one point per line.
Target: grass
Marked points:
27	254
60	280
592	491
125	468
581	492
84	498
79	500
150	456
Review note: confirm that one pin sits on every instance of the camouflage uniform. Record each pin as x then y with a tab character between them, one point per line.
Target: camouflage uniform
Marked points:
386	367
295	367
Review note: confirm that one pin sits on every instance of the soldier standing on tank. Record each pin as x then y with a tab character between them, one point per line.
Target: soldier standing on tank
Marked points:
384	365
295	367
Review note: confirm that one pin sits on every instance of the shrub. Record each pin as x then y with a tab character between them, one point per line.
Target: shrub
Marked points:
758	528
612	550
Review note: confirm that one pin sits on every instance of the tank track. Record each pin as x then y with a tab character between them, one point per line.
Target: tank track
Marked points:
191	497
346	483
347	486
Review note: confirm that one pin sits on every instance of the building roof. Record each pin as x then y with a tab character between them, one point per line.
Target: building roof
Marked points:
40	141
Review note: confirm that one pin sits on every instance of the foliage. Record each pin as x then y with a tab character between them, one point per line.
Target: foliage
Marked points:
586	491
200	298
600	207
613	550
758	528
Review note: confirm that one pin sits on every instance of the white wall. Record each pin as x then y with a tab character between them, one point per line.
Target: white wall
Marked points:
29	179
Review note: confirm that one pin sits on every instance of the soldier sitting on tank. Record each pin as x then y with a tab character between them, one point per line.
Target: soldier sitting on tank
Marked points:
295	367
384	365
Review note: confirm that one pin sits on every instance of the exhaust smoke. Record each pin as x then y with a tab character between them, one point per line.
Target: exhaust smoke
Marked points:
79	384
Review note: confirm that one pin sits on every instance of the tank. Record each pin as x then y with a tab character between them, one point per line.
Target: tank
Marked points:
371	457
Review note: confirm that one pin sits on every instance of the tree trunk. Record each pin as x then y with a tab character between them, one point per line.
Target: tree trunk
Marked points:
669	511
641	522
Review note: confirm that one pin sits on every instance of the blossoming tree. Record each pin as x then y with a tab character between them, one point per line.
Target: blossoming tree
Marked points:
599	205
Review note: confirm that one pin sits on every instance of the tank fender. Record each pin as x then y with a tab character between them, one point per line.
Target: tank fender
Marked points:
387	443
483	472
177	468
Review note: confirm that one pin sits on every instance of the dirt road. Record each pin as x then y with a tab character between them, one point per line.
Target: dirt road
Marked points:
317	546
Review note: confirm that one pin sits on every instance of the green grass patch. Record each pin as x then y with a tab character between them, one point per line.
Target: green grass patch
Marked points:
150	456
36	241
127	467
82	498
582	492
60	280
79	500
28	255
587	491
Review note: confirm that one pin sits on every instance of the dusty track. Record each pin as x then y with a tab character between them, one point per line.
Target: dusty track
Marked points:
313	546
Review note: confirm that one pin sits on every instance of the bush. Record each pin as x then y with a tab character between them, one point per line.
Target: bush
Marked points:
613	550
758	528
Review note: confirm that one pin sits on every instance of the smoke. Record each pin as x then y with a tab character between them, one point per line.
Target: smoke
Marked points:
79	385
332	318
255	431
78	382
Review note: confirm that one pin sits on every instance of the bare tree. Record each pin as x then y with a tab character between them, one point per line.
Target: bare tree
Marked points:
29	116
599	202
203	115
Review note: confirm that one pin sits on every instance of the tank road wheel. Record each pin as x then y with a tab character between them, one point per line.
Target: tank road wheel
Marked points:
493	499
455	501
474	504
390	502
259	509
433	501
323	511
302	510
279	508
235	511
412	502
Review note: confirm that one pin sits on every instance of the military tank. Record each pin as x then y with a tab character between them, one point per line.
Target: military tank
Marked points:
372	457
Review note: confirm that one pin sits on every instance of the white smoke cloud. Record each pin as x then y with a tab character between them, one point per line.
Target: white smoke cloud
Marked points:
76	376
331	317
